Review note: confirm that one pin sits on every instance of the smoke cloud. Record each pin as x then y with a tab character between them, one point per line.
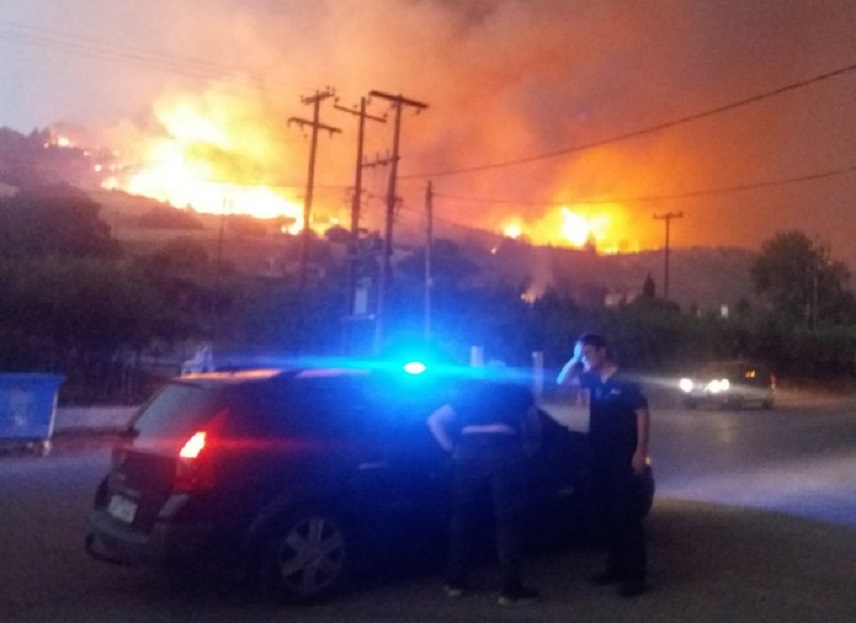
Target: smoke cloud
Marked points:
504	81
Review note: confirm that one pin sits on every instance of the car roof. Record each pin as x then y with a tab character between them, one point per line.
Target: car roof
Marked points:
731	364
237	377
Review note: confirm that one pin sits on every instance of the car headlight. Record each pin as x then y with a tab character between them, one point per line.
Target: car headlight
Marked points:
718	385
686	385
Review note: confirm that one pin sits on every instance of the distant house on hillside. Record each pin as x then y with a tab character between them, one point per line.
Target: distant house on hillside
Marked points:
617	299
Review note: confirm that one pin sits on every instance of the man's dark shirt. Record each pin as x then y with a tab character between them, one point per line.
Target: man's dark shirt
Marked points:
481	402
613	410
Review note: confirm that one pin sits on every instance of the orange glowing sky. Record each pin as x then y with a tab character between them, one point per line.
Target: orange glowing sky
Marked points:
196	95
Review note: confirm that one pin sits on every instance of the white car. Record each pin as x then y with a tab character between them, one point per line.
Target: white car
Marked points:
732	384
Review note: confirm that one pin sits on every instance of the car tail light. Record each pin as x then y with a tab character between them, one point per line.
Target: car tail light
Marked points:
193	466
194	446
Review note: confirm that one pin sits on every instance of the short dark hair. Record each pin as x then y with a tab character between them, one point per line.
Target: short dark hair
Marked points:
596	340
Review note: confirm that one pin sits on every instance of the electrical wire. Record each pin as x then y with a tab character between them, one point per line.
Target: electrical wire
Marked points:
95	48
645	198
640	132
445	221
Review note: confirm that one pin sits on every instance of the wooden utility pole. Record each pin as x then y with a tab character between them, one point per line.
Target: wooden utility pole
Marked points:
668	219
429	241
397	102
316	125
353	245
218	269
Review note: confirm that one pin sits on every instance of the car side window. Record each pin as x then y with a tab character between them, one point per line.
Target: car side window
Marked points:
315	408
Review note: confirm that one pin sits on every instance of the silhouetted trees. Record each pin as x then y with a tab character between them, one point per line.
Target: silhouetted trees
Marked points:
649	290
53	221
71	303
801	281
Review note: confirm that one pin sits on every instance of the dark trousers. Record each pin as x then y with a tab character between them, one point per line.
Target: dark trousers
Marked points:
620	496
498	462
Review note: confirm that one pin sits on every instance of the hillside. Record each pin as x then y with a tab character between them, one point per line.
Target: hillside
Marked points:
705	278
702	278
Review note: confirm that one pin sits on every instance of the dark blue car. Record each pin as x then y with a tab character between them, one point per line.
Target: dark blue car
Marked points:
301	477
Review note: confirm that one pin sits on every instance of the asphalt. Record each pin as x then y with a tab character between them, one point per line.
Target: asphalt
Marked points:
707	562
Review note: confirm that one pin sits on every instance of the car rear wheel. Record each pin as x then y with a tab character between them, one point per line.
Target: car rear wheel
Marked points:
307	556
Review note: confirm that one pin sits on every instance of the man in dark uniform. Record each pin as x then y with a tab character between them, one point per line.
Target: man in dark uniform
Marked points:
618	430
488	427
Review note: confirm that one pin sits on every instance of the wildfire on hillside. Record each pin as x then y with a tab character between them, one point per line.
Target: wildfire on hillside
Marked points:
216	153
567	227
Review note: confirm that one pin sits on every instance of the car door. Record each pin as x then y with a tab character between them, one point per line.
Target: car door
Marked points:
559	476
403	480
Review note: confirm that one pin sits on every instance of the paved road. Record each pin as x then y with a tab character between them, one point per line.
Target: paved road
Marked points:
717	552
800	462
799	458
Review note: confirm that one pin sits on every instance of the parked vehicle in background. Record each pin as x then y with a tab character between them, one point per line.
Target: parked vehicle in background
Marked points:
299	477
733	384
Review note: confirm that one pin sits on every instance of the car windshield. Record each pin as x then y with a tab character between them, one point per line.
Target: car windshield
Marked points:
721	370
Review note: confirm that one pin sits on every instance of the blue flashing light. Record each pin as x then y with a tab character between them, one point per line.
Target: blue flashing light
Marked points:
414	367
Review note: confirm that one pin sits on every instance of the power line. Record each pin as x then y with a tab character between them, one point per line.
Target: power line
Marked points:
88	46
50	36
535	202
641	132
99	49
450	223
532	202
686	195
643	198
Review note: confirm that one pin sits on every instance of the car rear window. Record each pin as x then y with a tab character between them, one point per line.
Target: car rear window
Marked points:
178	410
311	408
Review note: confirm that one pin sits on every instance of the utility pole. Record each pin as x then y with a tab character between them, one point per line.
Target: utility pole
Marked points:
397	102
316	125
218	269
668	219
353	247
429	240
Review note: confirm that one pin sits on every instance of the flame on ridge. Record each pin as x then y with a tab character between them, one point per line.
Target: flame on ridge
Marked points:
215	154
566	227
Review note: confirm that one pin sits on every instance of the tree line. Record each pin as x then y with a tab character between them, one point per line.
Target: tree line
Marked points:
73	302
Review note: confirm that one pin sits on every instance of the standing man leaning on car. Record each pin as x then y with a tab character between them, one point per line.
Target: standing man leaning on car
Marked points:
489	427
618	429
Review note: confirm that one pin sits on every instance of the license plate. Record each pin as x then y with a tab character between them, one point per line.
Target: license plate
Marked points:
122	508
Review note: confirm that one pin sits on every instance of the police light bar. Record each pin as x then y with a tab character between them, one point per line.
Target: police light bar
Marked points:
414	367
